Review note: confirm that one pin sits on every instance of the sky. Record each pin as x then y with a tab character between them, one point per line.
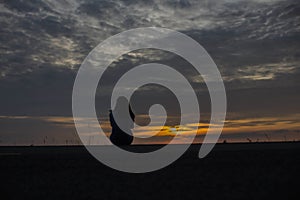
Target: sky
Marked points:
254	43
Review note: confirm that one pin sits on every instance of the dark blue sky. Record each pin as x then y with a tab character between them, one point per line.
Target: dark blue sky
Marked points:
255	44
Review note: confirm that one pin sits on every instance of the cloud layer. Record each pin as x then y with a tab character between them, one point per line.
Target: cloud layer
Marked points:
255	44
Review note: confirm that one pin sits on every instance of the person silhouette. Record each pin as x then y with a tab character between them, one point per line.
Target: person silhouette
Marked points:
121	120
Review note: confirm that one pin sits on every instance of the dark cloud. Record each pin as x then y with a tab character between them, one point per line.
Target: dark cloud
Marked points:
45	91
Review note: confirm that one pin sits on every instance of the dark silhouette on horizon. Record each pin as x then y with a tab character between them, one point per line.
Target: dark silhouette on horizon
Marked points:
122	136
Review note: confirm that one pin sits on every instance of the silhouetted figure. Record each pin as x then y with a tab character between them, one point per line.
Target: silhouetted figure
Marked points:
121	131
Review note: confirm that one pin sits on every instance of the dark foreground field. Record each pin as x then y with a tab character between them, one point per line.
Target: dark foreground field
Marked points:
230	171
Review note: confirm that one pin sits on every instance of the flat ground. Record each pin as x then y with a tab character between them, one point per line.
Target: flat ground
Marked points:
230	171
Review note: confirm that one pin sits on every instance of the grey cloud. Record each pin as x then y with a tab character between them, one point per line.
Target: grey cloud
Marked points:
232	29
